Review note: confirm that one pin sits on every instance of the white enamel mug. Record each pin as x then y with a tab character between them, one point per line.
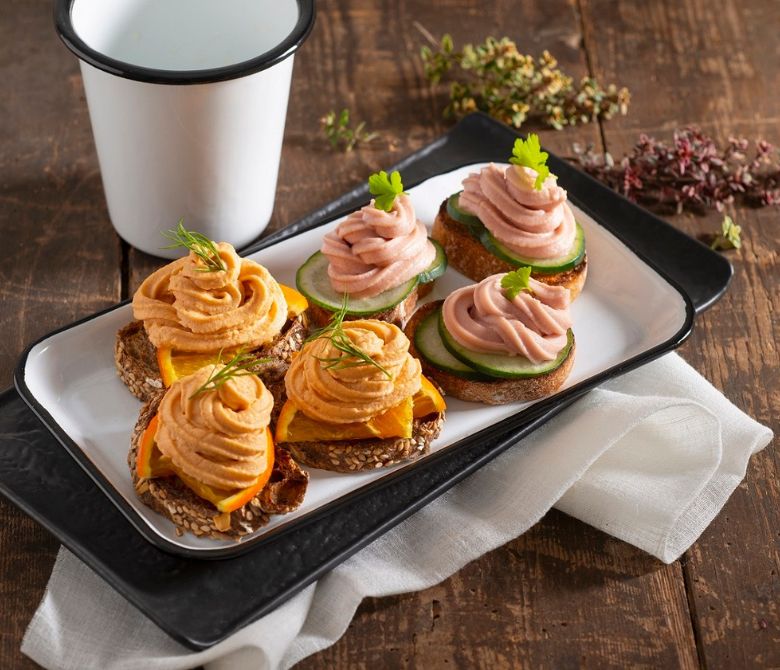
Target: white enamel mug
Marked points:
187	100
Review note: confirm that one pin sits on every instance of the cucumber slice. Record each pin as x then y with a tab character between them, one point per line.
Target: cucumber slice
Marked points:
437	267
428	342
547	266
312	280
499	365
472	223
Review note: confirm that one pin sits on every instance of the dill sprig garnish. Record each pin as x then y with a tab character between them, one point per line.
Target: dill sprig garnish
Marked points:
198	244
242	364
351	356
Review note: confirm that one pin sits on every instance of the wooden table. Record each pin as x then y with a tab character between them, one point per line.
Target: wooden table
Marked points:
563	595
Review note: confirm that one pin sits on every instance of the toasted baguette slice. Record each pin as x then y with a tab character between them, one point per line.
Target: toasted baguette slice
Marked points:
170	497
136	357
467	255
356	455
398	315
498	392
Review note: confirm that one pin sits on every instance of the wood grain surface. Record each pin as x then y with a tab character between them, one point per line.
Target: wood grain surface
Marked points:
563	595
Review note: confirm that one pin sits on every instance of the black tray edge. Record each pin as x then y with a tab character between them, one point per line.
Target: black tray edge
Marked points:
306	224
329	214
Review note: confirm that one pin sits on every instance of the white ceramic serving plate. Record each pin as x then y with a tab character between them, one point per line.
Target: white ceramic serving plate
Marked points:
626	309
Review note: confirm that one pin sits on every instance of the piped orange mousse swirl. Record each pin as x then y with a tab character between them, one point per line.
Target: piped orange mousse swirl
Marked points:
217	437
535	224
481	317
187	309
372	251
336	394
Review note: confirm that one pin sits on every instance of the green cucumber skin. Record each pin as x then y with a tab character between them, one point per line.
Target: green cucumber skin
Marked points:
427	339
437	267
476	360
478	230
553	266
472	223
361	306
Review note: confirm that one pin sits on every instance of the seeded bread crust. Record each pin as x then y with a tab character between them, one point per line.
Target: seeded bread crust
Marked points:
357	455
170	497
136	357
398	315
468	256
498	392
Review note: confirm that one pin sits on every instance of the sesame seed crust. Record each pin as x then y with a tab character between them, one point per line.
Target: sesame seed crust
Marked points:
136	357
356	455
170	497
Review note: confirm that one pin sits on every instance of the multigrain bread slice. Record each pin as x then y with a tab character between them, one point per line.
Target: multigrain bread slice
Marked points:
397	315
491	392
467	255
136	357
170	497
356	455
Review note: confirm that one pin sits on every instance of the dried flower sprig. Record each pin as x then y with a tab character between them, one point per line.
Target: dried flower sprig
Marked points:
496	78
729	237
242	364
692	173
340	135
351	356
200	245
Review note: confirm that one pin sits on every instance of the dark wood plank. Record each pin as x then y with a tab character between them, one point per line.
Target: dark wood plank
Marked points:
59	256
732	572
561	596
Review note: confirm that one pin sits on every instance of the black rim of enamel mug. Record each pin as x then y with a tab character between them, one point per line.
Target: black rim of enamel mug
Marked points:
288	46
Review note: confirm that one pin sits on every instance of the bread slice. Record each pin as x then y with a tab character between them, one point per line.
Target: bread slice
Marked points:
492	392
356	455
398	315
136	357
170	497
467	255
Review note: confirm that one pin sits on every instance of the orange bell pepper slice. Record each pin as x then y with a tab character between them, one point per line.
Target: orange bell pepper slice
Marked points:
296	302
150	463
293	425
428	400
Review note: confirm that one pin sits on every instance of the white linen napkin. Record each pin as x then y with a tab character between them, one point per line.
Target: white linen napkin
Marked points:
649	458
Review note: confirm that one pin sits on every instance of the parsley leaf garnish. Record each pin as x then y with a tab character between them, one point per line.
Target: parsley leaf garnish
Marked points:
529	154
516	282
385	189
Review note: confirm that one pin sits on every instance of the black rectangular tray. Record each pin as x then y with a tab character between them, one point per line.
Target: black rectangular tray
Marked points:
40	477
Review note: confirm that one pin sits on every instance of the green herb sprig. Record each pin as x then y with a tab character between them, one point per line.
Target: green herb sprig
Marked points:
385	189
496	78
242	364
529	154
338	132
516	282
351	356
200	245
729	237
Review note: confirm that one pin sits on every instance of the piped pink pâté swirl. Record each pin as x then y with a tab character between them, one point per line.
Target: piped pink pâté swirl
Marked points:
372	251
532	324
535	224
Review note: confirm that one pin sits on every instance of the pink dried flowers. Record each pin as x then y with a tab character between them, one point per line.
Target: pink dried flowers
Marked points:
691	173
